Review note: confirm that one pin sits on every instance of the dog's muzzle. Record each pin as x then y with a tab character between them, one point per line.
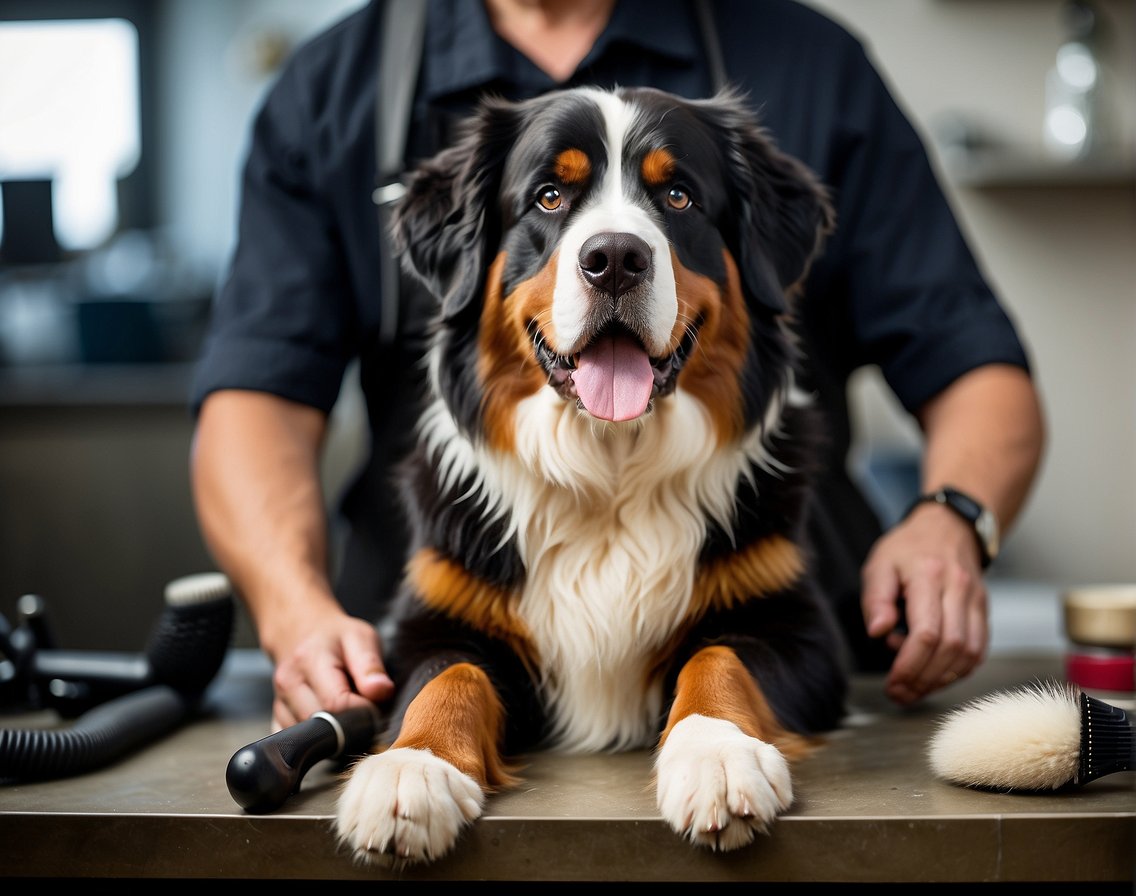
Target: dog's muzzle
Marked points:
613	377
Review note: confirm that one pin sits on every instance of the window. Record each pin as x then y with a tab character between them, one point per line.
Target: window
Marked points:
69	114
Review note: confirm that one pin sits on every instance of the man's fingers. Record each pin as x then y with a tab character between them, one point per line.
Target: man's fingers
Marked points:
880	593
968	651
332	686
336	667
978	631
948	633
923	596
365	665
947	661
294	700
293	706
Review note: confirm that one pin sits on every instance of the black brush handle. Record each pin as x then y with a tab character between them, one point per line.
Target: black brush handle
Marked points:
1108	740
264	774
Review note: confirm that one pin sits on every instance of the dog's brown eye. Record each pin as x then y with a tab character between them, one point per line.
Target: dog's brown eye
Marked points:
549	198
678	198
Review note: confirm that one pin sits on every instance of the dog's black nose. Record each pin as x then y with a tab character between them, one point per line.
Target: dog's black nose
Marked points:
615	262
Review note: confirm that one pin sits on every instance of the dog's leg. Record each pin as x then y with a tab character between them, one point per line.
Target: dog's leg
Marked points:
412	801
719	778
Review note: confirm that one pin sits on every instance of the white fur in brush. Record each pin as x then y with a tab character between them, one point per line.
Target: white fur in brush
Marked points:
1027	738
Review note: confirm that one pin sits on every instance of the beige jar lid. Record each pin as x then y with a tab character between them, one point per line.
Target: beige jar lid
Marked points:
1102	615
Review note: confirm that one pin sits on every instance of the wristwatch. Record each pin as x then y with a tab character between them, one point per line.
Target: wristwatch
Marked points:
981	518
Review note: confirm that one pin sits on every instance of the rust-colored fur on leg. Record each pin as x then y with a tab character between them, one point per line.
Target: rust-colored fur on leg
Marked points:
458	717
411	801
714	683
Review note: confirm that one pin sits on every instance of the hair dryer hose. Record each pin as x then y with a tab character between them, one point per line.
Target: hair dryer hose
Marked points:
146	699
97	737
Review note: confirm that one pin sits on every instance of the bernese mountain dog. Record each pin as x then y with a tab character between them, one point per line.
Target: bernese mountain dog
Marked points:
608	492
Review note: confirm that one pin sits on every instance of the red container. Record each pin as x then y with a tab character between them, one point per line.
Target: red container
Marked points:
1101	669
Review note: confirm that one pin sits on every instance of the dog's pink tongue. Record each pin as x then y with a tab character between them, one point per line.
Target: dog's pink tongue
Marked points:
614	379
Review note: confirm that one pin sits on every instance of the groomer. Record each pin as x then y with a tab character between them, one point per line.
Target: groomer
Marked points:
897	287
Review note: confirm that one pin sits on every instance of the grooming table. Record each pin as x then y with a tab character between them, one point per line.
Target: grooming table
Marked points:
867	810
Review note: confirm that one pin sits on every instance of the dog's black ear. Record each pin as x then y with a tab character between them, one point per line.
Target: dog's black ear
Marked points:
447	226
781	211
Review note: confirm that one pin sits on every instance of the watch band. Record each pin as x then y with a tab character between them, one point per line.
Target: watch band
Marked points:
980	518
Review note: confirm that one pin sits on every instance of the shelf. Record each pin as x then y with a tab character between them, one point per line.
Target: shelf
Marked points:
1009	168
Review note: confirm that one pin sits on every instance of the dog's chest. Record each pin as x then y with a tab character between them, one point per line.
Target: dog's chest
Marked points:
606	587
609	524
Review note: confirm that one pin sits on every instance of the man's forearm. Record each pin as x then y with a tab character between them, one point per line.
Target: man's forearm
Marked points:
256	488
985	434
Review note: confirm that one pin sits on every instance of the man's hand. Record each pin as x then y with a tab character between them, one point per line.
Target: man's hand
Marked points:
984	434
256	485
931	562
325	660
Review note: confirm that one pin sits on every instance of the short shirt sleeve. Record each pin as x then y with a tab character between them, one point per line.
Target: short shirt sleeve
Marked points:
899	286
282	315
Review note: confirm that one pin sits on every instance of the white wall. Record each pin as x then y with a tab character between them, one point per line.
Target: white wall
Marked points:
214	55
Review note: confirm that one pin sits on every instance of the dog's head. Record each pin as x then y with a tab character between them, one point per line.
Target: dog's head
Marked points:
611	247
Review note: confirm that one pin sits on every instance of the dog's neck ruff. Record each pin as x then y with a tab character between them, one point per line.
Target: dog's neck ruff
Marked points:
592	507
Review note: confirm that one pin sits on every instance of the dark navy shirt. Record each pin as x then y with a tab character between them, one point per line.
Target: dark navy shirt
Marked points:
897	285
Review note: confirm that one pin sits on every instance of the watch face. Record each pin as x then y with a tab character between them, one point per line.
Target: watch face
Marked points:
987	528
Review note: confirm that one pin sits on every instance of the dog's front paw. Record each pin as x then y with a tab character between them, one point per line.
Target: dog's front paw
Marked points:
405	805
718	786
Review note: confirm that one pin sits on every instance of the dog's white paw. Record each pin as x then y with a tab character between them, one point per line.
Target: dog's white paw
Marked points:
718	786
405	805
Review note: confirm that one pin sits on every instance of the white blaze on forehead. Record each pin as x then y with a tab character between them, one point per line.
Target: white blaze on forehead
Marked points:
609	208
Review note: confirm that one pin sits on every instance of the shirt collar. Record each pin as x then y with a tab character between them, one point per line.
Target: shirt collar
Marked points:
463	51
663	27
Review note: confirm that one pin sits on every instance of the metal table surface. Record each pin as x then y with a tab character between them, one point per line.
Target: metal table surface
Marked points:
867	810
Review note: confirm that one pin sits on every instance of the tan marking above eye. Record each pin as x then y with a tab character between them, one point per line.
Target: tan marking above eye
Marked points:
549	198
572	166
678	198
657	167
